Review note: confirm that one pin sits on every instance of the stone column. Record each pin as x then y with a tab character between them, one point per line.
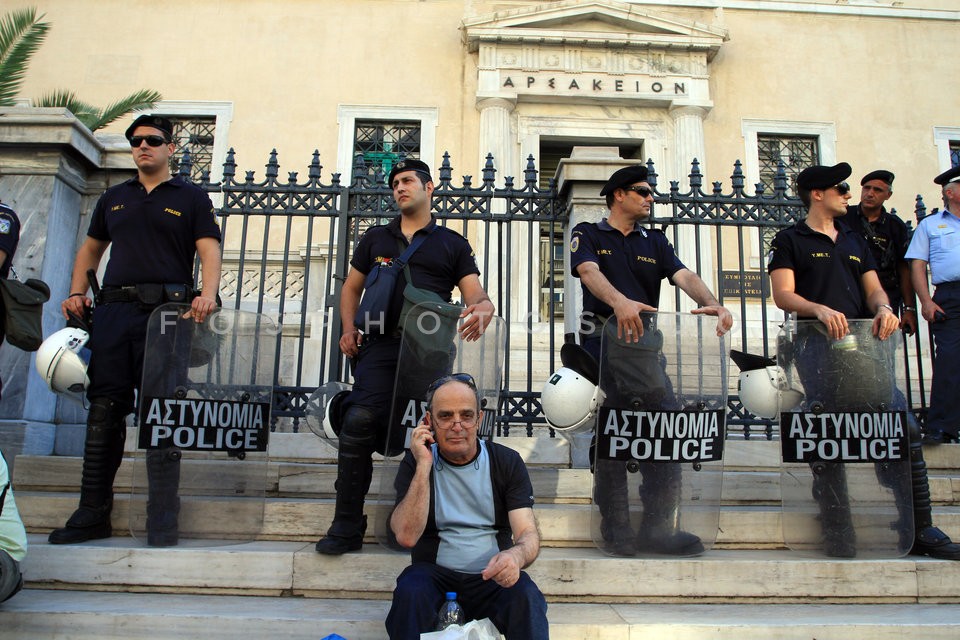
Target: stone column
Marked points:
688	140
497	135
52	169
689	145
496	138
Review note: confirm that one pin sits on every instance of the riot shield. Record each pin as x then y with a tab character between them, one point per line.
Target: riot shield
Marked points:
660	430
431	348
200	464
845	479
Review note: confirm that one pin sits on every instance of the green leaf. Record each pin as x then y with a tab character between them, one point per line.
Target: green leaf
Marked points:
21	34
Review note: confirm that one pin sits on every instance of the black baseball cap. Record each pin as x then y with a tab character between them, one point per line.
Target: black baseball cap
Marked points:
879	174
157	122
624	178
823	177
409	164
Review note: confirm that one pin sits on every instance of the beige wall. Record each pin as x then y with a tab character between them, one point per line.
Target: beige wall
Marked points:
882	82
287	66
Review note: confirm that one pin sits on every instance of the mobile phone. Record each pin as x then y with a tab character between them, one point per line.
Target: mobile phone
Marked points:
939	316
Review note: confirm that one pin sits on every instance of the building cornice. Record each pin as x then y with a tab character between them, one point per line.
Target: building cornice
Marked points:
863	8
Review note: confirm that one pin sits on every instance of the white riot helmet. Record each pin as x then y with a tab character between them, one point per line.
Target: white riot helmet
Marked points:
763	387
62	361
570	396
324	412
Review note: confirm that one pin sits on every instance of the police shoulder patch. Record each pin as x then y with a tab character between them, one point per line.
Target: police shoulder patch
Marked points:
574	244
5	224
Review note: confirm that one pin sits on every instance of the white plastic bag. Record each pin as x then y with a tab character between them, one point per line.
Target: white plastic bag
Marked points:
473	630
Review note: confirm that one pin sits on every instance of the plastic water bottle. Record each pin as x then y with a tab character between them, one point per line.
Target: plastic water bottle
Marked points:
450	612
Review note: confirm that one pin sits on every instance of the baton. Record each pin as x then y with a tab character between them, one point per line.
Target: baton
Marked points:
94	285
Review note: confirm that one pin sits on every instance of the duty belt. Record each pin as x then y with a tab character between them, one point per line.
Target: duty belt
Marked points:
148	294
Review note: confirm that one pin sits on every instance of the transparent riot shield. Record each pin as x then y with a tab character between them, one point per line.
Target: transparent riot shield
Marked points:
200	464
660	430
845	479
432	348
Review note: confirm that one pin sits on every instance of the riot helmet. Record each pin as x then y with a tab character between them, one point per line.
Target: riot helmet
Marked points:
62	361
763	386
570	400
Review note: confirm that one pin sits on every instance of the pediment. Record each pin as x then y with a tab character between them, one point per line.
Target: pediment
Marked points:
597	23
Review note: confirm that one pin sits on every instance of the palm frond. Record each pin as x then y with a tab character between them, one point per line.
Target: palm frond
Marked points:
21	34
141	100
84	112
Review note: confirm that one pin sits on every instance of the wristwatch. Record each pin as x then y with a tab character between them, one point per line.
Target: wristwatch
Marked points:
906	308
885	305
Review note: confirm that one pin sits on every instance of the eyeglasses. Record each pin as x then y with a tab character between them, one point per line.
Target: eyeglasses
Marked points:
843	188
153	141
640	190
467	420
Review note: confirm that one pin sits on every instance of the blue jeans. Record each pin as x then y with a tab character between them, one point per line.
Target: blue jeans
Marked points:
519	612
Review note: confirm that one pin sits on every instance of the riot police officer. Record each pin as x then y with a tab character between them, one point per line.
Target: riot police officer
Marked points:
156	224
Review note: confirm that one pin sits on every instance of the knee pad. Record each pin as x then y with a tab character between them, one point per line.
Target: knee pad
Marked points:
360	426
106	413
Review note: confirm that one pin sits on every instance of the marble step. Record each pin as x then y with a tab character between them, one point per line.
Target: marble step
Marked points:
301	479
539	450
740	526
57	615
563	574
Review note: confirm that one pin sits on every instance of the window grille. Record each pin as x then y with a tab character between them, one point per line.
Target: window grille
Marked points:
383	143
193	134
796	152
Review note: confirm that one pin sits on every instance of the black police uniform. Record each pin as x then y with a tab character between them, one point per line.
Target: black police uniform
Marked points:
825	271
9	239
438	265
635	265
888	238
152	240
831	273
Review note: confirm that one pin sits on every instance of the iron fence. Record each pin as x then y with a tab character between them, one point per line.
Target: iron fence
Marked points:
287	246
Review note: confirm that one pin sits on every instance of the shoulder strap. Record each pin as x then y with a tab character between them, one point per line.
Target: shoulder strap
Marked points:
414	245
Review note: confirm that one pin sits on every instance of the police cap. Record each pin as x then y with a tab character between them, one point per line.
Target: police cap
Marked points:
880	174
822	177
948	176
409	164
749	361
157	122
624	178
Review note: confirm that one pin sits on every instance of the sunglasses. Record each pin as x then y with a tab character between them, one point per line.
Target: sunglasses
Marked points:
465	378
153	141
843	188
640	190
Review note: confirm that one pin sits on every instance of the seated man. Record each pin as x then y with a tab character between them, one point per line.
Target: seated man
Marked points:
464	507
13	538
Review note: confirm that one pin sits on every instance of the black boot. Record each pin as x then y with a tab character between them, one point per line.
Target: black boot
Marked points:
354	471
928	539
660	530
836	521
612	497
163	503
102	454
891	476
